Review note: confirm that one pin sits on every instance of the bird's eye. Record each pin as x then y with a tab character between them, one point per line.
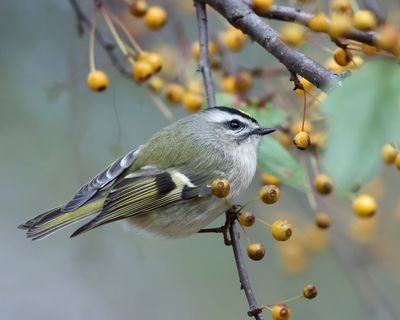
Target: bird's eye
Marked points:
235	124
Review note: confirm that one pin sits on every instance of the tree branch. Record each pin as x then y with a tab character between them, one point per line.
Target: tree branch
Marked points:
240	15
82	22
204	64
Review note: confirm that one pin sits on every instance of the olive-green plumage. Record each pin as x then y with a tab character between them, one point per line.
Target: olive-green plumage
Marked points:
163	186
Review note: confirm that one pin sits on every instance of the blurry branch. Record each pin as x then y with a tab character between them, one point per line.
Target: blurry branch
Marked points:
290	14
240	15
204	64
84	22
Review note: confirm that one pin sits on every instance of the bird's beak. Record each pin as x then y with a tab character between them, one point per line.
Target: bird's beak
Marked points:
263	131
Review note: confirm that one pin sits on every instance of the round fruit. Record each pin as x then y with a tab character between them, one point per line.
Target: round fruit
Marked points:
281	312
153	58
364	20
234	39
389	154
97	80
302	140
319	23
322	220
138	8
212	49
307	85
281	230
155	84
269	194
262	6
323	184
220	188
292	34
310	291
342	6
397	162
269	179
255	251
192	102
387	37
228	84
246	219
155	17
243	82
174	93
364	206
141	70
342	57
340	26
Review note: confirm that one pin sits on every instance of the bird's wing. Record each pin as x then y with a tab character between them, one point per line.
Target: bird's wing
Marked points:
87	191
145	190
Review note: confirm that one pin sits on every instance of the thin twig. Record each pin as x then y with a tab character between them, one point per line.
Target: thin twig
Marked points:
204	64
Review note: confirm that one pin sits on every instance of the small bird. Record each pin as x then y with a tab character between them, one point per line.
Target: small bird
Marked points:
163	186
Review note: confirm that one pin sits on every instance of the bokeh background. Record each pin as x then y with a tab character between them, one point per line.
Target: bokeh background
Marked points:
55	135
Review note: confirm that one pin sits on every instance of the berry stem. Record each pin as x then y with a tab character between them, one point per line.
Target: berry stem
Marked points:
308	189
263	222
91	42
291	299
304	109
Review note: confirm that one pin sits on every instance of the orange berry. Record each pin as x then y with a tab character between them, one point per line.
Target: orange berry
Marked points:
155	17
269	194
302	140
138	8
397	161
153	58
388	154
319	23
310	291
281	230
269	179
281	312
323	184
243	82
97	81
234	39
342	57
322	220
292	34
155	84
255	251
220	188
364	20
246	219
387	37
174	93
340	26
192	102
141	70
364	206
261	6
369	50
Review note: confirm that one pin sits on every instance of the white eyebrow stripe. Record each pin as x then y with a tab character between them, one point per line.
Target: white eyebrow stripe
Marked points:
221	116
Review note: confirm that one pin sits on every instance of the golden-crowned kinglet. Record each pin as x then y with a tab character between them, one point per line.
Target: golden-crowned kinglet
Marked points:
163	186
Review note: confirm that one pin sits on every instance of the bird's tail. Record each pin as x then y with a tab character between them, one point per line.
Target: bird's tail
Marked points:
55	219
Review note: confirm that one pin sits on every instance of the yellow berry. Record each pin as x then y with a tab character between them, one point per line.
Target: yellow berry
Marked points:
155	84
212	49
192	102
364	20
269	194
243	82
255	251
307	85
281	230
342	6
317	140
261	6
292	34
246	219
281	312
195	86
97	80
174	93
310	291
356	63
234	39
319	23
340	26
323	184
155	17
333	66
302	140
369	50
342	57
153	58
397	162
220	188
387	37
388	154
322	220
364	206
298	126
269	179
138	8
141	70
228	84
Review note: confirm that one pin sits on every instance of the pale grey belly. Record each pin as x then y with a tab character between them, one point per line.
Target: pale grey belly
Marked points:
180	219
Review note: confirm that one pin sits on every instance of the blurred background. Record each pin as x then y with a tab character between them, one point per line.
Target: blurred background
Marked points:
55	135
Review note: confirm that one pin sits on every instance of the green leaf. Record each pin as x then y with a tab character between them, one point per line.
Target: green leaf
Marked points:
276	160
363	114
268	117
224	99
